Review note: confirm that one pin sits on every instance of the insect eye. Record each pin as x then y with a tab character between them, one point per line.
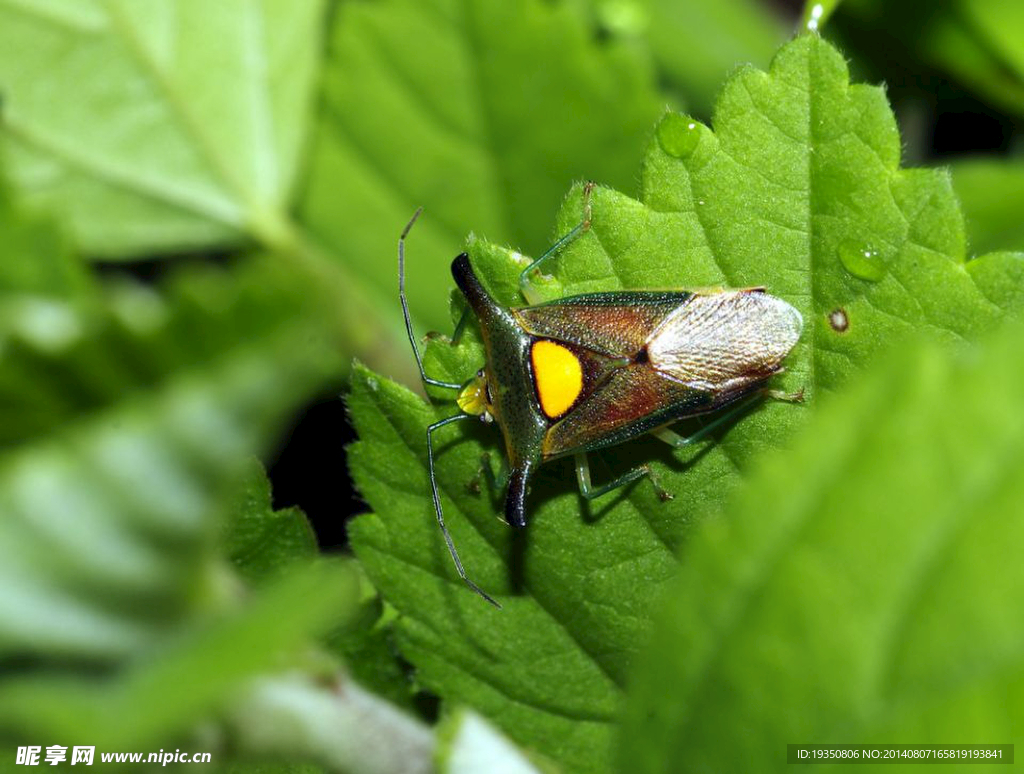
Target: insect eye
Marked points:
480	374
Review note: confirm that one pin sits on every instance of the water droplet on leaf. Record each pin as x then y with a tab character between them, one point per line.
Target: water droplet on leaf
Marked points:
862	261
678	135
814	18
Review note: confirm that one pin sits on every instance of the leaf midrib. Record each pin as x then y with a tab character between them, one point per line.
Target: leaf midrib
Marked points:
240	208
189	123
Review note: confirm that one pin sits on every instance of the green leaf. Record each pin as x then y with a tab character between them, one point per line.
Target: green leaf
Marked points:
261	542
484	113
798	179
990	192
164	125
863	586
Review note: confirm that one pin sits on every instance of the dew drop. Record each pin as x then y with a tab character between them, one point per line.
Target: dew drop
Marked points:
678	135
814	18
862	261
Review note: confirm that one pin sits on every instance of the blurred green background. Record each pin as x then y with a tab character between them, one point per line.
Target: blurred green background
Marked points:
198	216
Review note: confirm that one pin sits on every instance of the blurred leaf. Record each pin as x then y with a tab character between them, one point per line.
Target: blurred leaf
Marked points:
63	361
963	39
261	542
271	768
482	112
367	647
862	587
956	36
171	126
159	126
990	192
38	260
164	694
134	421
1000	23
698	44
799	180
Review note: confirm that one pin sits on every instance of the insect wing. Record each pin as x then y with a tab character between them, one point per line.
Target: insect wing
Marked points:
722	340
614	324
632	401
704	351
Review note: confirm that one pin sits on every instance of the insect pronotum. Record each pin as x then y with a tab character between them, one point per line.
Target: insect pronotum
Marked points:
581	373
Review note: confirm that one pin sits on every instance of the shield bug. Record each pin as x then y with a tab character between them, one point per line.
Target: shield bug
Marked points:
581	373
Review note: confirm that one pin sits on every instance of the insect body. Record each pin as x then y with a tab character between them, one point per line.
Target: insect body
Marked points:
589	371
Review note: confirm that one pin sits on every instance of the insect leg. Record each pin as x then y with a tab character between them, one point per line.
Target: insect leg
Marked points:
786	397
525	287
496	482
460	327
405	308
589	491
675	440
437	505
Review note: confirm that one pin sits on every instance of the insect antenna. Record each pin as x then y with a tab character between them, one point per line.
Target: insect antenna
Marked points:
437	425
437	505
405	307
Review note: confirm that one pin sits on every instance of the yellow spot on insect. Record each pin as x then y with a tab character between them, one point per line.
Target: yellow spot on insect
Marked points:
473	396
558	376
